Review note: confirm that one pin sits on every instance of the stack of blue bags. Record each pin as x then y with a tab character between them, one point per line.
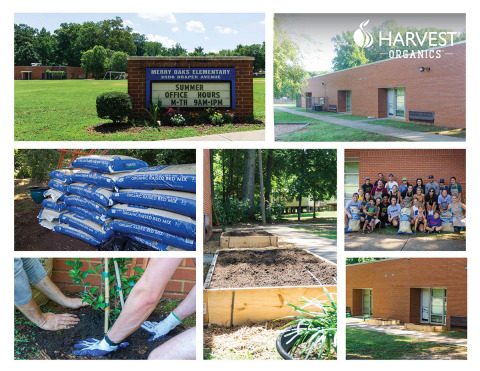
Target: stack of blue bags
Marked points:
156	206
120	195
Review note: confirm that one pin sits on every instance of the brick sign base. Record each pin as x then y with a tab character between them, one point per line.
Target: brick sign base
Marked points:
243	87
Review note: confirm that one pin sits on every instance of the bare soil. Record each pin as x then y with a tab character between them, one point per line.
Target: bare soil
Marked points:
59	344
247	233
270	267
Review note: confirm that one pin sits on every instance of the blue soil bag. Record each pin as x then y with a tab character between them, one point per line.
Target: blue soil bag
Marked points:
103	180
54	194
58	185
354	223
174	177
73	232
108	163
404	226
150	243
128	228
183	203
166	221
49	215
101	196
95	230
48	203
63	175
85	203
90	215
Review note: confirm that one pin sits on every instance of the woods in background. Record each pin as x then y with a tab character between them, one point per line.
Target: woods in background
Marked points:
288	175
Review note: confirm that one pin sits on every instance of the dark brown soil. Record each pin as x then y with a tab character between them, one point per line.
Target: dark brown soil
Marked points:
247	233
30	236
59	344
272	267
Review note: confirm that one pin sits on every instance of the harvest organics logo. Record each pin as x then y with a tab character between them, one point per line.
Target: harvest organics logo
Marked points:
362	37
406	45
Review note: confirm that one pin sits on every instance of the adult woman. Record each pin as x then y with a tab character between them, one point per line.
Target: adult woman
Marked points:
393	212
360	194
431	200
419	185
394	192
407	197
457	208
420	196
455	188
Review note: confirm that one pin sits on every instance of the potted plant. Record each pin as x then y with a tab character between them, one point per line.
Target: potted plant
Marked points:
312	334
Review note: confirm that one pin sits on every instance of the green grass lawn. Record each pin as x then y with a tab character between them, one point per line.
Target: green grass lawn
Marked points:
319	215
321	131
325	231
65	110
367	345
441	130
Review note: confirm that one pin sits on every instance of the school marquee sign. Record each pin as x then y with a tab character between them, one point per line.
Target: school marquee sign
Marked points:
191	87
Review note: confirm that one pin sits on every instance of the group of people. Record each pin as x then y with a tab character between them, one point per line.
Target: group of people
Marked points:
381	203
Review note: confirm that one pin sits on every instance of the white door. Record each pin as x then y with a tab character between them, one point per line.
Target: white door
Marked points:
425	306
391	102
367	302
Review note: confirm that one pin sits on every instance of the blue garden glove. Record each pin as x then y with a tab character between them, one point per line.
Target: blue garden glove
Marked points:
161	329
96	348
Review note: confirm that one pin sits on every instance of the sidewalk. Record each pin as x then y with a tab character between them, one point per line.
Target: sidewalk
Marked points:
399	331
254	135
377	242
323	247
413	136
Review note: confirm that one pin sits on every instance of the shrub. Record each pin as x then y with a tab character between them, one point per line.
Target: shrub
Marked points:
232	211
228	117
177	120
114	105
216	119
274	210
153	112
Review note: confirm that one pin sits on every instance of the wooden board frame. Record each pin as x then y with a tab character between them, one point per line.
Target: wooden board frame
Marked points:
236	306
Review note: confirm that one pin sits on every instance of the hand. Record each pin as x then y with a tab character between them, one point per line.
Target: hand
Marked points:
161	329
96	348
59	321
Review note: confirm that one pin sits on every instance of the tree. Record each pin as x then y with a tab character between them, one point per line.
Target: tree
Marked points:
46	47
94	61
69	53
288	73
140	42
176	50
25	55
118	62
198	52
248	184
348	54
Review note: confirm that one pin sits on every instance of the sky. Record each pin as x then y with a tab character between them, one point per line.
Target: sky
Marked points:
313	32
212	31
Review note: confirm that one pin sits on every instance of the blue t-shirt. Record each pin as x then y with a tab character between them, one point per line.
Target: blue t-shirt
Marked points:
444	201
352	203
394	210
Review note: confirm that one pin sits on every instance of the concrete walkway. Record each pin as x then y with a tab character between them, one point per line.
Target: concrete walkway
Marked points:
378	242
399	331
404	134
323	247
254	135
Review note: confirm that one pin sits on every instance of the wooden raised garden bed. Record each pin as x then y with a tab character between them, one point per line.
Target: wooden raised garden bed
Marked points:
248	238
253	285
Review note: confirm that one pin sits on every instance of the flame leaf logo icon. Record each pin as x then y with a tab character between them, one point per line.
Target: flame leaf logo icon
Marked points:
362	37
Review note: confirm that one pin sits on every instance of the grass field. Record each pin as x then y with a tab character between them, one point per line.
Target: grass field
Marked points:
321	131
325	231
441	130
368	345
65	110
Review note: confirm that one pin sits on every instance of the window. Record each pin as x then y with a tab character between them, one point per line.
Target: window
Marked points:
351	177
400	102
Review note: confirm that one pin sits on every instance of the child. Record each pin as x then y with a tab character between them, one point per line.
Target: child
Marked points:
414	211
420	220
370	216
434	223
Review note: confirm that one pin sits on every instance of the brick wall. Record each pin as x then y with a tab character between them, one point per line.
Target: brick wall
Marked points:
396	284
179	285
441	90
243	78
412	164
207	194
37	71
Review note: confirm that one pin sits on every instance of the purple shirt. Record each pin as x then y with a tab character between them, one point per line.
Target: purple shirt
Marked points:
432	222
